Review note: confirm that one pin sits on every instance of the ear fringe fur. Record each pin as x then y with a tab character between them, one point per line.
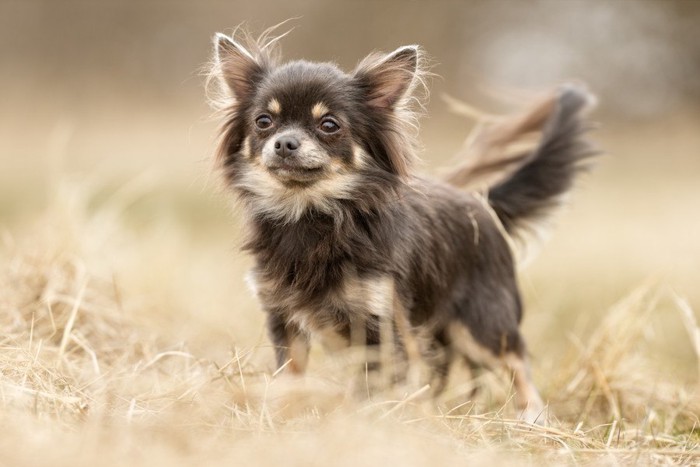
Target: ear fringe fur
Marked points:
403	121
264	49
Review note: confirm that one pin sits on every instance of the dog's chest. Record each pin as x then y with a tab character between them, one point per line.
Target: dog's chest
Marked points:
353	300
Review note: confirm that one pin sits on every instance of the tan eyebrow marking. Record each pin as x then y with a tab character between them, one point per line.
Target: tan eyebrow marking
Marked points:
319	110
274	106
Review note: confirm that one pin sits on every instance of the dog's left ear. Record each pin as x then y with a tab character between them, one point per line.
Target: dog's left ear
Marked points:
388	79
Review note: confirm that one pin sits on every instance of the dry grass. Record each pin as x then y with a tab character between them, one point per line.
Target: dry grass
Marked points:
118	347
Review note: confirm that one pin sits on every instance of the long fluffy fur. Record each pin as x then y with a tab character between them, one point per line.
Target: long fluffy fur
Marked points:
536	188
369	240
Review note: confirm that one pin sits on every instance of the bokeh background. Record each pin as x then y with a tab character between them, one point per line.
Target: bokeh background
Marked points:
108	92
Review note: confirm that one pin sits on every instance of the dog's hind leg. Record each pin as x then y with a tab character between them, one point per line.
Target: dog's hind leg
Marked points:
527	399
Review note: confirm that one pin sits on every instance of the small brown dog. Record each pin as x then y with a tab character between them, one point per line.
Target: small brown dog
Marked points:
346	236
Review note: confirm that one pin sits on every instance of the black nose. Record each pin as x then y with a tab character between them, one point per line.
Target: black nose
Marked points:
286	146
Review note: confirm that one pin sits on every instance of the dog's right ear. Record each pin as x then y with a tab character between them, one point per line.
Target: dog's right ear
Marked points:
237	68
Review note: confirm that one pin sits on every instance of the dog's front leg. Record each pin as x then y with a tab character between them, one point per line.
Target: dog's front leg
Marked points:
291	343
388	334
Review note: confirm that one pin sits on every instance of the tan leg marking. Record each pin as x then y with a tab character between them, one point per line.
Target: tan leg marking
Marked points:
298	355
463	341
527	399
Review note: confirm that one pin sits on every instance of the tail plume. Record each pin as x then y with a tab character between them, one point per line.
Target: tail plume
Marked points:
524	182
537	187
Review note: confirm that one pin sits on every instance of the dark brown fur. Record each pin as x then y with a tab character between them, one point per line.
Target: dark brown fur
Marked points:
329	260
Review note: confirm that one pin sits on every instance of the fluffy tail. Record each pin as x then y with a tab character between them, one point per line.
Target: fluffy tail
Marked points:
549	170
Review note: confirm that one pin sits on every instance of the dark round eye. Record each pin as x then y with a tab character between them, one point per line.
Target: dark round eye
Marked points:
263	122
329	126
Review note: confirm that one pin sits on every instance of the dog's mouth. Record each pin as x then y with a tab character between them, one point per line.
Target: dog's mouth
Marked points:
296	174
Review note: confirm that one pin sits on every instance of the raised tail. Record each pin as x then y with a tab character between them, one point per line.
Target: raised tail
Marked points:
537	186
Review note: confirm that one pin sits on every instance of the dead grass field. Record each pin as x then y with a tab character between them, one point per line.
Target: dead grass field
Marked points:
128	337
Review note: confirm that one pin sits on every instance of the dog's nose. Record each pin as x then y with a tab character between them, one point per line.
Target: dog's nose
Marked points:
286	146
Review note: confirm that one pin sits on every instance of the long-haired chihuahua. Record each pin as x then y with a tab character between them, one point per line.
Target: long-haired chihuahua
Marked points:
347	237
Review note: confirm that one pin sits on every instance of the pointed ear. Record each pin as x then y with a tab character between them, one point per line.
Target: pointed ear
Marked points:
388	78
238	69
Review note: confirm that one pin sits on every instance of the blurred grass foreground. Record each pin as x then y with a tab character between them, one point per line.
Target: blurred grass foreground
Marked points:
128	335
129	343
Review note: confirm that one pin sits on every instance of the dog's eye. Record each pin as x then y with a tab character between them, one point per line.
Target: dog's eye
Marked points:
263	122
329	126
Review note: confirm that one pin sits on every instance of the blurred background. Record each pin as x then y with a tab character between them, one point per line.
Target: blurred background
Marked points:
110	91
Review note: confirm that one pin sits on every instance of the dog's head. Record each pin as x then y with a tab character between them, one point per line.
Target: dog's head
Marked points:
303	135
